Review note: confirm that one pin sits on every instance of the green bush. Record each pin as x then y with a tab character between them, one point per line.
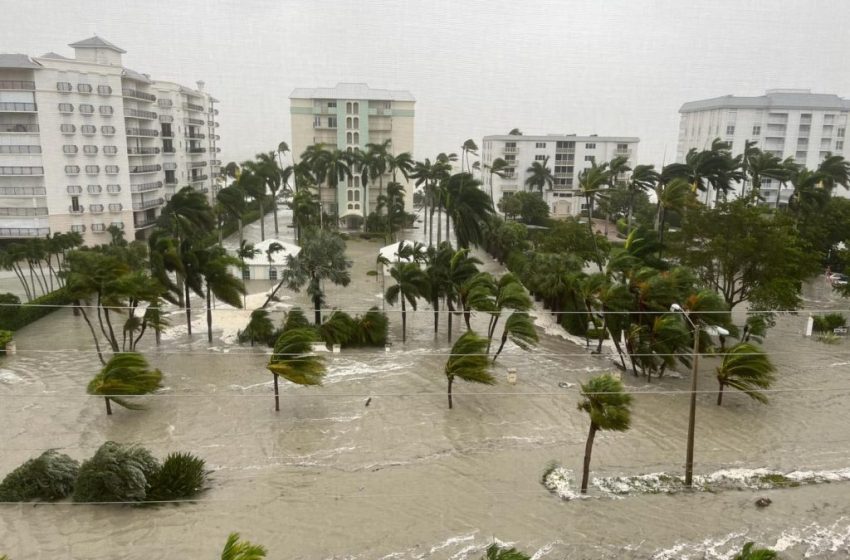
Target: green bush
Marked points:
50	476
5	337
826	323
339	328
32	311
596	333
116	473
372	328
181	476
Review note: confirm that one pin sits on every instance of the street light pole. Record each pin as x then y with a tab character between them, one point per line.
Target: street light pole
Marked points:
689	458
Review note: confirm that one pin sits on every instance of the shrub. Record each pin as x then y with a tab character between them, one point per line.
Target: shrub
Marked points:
5	337
32	311
372	328
181	476
116	473
339	328
826	323
296	319
50	476
259	329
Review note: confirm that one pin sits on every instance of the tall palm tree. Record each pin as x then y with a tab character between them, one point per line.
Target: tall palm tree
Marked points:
253	184
761	165
607	404
643	179
293	360
305	211
422	175
126	374
499	167
411	284
468	361
591	182
234	549
539	176
469	208
259	328
400	163
462	267
747	368
751	151
676	195
232	200
282	150
506	293
468	147
267	168
835	170
437	263
708	170
215	265
520	329
376	162
442	171
496	552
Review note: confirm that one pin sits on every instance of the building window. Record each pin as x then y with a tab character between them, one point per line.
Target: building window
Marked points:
104	90
356	107
77	228
64	87
94	189
66	108
107	130
110	150
70	149
89	149
113	189
539	157
75	204
317	122
67	128
590	146
92	169
86	109
331	122
348	108
756	130
106	110
246	273
72	169
357	181
357	138
356	122
540	144
348	137
589	158
84	88
331	104
111	169
356	196
88	129
839	133
839	144
74	189
350	196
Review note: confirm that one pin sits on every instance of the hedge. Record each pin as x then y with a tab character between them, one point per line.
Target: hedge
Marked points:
15	318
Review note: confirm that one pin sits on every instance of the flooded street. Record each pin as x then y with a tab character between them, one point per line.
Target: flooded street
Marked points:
404	477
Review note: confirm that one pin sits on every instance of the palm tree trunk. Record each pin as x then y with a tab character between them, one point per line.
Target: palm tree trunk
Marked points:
450	313
209	314
448	226
436	304
274	209
661	233
188	309
440	223
403	321
593	235
602	333
631	205
93	333
588	449
108	406
720	394
502	345
317	304
276	395
241	233
262	220
451	380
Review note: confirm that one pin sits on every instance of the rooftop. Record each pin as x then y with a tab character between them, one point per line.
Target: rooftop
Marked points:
17	61
278	257
96	42
772	99
559	137
359	91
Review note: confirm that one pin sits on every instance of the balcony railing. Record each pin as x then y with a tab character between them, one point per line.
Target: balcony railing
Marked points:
18	128
511	150
197	122
169	150
148	132
145	187
138	206
171	180
144	223
17	84
77	210
129	92
24	232
196	150
193	107
137	114
623	153
145	169
142	151
196	136
23	191
16	212
96	208
18	170
196	164
11	107
198	178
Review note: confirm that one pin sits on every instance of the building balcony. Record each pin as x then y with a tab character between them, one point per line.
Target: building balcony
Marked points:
193	122
96	208
196	164
142	151
136	94
144	223
143	132
24	192
15	212
18	128
623	153
77	210
11	107
139	169
10	233
147	204
171	180
137	114
169	151
17	85
380	111
324	111
212	123
145	187
193	107
510	150
20	171
196	150
198	178
195	136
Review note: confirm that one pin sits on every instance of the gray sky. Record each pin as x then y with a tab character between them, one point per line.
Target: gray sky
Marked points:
613	67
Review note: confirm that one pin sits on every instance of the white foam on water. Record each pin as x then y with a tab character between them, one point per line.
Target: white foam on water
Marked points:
451	541
10	377
560	481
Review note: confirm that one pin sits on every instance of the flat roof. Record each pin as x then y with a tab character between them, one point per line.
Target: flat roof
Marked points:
359	91
558	137
772	99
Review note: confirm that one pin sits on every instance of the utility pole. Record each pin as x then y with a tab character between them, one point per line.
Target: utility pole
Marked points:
689	458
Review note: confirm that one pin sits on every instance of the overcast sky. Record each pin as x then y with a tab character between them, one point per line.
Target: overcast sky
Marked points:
612	67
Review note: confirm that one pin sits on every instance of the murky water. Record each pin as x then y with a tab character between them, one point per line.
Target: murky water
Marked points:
328	477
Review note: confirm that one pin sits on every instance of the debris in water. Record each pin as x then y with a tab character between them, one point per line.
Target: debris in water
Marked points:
763	502
368	401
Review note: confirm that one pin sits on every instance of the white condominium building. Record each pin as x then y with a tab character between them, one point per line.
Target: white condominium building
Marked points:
565	154
348	117
86	143
786	122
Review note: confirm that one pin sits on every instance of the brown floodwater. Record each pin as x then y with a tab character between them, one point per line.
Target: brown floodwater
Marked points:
328	477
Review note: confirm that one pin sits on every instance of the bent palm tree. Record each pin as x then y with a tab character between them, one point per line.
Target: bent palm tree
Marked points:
539	175
468	361
125	374
234	549
607	404
747	368
411	284
292	360
496	552
520	329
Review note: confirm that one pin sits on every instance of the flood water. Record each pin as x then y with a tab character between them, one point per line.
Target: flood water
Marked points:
328	477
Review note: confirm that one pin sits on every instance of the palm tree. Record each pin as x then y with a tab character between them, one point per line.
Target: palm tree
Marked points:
232	199
254	185
539	176
234	549
607	404
402	163
437	261
322	257
515	132
764	165
835	170
215	266
496	552
673	195
267	168
643	179
750	553
469	208
468	147
468	361
506	293
375	162
305	211
591	181
125	374
337	167
395	207
712	169
292	359
411	284
259	327
747	368
520	329
461	268
442	171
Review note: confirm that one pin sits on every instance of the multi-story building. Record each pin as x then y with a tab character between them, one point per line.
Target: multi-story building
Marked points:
786	122
86	143
565	154
348	117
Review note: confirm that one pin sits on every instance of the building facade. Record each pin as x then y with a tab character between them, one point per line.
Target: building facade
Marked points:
348	117
566	155
785	122
86	143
